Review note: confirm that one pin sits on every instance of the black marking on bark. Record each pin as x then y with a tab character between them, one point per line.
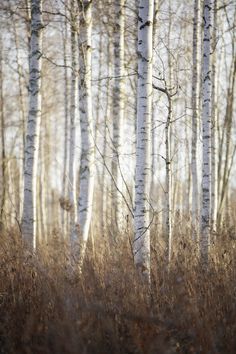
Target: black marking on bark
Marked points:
147	23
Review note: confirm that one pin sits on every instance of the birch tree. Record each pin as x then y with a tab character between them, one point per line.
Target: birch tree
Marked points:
206	130
154	147
168	210
3	145
214	138
86	183
118	109
66	124
141	242
105	199
195	113
33	127
73	113
168	186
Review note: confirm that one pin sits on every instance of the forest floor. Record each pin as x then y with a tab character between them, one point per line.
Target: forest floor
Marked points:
46	306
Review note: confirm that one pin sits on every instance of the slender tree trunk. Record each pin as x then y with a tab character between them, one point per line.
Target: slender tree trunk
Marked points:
105	200
195	115
33	127
187	197
214	138
168	186
3	145
22	116
42	196
73	114
154	147
99	122
45	153
206	131
168	147
100	67
141	242
64	213
86	183
118	111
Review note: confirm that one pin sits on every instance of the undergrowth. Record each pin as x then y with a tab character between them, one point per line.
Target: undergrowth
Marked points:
46	306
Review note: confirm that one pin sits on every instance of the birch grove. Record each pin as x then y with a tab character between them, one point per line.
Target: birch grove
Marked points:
129	139
117	176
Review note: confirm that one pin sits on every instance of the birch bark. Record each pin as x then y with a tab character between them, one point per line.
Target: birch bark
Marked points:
73	114
141	242
3	145
66	126
168	147
154	142
214	138
206	131
168	186
118	110
105	199
28	225
86	185
195	115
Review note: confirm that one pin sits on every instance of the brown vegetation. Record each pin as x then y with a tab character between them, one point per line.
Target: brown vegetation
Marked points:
46	306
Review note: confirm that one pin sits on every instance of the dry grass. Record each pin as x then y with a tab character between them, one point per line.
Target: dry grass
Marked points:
46	307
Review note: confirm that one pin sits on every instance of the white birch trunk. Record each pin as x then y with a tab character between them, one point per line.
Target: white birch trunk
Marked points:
141	243
168	190
206	132
33	127
195	115
42	195
168	147
118	111
64	214
214	137
73	114
105	199
154	145
87	168
3	144
99	88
